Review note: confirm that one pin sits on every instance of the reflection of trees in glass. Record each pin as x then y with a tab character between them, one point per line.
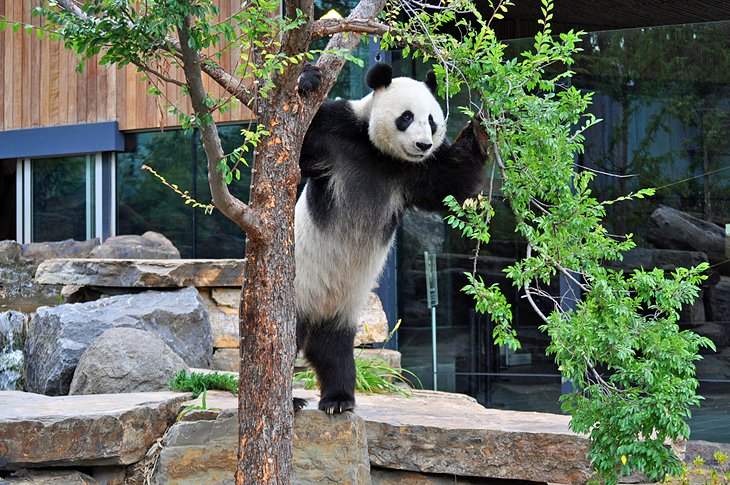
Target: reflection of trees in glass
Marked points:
145	204
666	112
59	199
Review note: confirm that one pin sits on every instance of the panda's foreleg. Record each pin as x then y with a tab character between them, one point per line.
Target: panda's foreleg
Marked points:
329	349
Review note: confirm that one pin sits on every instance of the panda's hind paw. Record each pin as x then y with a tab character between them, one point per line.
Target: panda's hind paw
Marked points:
310	79
336	405
299	404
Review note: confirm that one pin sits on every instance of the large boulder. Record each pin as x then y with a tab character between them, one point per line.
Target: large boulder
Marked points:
718	301
59	249
672	229
126	360
142	273
58	336
150	245
103	429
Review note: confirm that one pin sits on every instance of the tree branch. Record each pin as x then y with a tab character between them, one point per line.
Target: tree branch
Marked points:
328	27
222	77
242	214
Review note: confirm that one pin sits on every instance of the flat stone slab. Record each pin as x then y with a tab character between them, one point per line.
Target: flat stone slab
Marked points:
100	429
442	433
141	273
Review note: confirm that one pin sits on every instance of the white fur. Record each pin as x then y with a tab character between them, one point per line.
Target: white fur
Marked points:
337	265
389	103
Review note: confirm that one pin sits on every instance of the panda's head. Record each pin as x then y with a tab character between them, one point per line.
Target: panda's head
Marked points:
405	119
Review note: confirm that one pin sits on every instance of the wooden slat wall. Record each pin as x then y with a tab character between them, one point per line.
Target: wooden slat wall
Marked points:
39	85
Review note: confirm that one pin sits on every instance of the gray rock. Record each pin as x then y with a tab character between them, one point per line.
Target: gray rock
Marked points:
59	249
58	336
666	259
142	273
225	360
49	477
101	429
718	299
9	252
126	360
150	245
327	449
672	229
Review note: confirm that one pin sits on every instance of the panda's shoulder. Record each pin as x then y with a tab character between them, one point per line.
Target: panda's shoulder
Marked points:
337	116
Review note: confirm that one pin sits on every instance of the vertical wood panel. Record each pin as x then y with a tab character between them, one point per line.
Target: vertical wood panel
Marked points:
40	87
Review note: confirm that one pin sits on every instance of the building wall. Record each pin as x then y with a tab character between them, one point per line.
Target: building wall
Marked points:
40	87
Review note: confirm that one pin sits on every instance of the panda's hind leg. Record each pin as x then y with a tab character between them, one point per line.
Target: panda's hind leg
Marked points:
329	349
302	332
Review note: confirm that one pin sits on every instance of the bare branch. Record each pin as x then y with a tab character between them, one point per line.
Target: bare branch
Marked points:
328	27
242	214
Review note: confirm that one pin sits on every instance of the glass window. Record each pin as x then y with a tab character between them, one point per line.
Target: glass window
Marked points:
62	198
144	203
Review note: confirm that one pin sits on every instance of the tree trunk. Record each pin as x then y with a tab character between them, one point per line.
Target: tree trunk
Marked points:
268	321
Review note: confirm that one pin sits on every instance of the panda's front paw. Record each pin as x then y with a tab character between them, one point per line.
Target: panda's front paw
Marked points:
337	404
299	404
310	79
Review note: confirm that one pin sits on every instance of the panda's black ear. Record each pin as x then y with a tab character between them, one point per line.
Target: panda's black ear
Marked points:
430	81
379	76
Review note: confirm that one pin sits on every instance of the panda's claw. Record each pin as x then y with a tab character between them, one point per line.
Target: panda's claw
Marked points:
299	404
336	406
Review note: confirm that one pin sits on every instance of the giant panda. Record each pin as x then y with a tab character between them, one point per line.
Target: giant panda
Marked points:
365	162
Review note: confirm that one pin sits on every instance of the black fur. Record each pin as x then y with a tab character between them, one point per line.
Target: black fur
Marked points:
310	79
431	82
379	76
404	120
338	143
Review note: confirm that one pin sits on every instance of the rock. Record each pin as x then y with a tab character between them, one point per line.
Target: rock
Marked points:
100	429
718	299
327	449
717	332
58	336
59	249
672	229
225	360
383	476
49	477
714	366
451	434
19	292
126	360
142	273
666	259
227	297
150	245
9	252
422	231
372	324
706	451
223	322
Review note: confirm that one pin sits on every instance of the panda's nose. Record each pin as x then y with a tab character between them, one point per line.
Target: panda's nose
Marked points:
423	146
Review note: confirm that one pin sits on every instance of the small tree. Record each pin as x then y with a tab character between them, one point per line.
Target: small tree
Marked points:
633	370
177	42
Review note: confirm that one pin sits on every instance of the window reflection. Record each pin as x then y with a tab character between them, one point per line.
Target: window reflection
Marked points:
145	204
62	198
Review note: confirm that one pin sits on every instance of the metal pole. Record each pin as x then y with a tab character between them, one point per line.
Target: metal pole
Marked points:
433	339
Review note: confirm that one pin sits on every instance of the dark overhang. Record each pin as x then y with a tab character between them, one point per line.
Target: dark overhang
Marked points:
61	140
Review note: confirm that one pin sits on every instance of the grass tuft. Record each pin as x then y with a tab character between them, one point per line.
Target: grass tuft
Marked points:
196	382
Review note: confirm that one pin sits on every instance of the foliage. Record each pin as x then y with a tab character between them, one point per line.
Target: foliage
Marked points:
700	472
197	383
618	342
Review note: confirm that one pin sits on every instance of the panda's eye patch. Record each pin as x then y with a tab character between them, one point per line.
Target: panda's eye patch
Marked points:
404	120
432	123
